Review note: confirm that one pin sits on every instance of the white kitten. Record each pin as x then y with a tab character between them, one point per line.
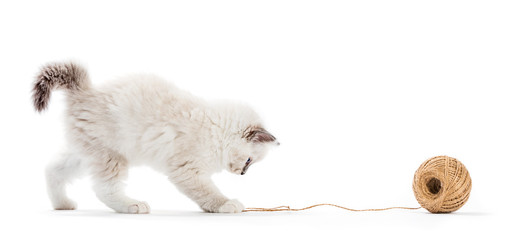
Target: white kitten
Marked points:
145	120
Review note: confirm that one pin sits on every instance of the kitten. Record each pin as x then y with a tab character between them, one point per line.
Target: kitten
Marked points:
142	119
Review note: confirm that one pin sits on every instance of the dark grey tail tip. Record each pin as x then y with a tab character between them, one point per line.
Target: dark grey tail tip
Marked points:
62	75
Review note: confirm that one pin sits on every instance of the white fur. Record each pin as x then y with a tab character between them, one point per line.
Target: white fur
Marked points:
143	119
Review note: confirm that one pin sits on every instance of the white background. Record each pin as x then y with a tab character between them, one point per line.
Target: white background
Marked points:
359	93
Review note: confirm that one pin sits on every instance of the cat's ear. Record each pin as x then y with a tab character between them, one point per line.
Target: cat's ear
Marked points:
258	135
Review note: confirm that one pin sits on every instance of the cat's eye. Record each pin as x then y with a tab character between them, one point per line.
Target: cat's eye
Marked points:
247	165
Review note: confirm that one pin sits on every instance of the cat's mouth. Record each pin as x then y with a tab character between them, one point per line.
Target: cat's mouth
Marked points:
245	168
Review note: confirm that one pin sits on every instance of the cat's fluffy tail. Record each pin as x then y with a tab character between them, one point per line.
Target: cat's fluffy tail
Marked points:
68	75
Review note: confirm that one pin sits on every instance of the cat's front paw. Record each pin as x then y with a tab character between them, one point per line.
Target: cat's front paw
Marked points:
139	208
231	206
133	207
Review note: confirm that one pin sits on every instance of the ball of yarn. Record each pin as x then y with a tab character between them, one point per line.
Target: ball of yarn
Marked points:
442	184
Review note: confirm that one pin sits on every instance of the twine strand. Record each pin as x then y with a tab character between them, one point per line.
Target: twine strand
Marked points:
441	185
289	209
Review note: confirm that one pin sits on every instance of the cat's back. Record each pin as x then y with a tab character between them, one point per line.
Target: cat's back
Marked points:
146	95
128	108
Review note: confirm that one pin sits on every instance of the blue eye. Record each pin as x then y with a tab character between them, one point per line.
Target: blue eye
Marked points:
249	159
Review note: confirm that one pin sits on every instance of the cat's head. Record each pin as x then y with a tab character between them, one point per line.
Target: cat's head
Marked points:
245	141
251	147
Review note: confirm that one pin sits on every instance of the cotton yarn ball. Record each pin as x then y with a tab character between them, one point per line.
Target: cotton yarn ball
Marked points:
442	184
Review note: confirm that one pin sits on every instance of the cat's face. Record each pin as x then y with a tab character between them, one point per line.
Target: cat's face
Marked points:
250	148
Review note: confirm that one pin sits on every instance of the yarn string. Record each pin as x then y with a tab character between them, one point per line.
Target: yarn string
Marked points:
289	209
441	184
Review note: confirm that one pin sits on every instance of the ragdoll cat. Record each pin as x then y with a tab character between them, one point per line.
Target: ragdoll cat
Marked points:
142	119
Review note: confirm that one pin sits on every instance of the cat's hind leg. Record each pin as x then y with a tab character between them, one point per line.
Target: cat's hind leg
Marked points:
58	175
109	171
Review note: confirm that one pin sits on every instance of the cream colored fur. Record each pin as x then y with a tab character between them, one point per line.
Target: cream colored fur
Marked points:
143	119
